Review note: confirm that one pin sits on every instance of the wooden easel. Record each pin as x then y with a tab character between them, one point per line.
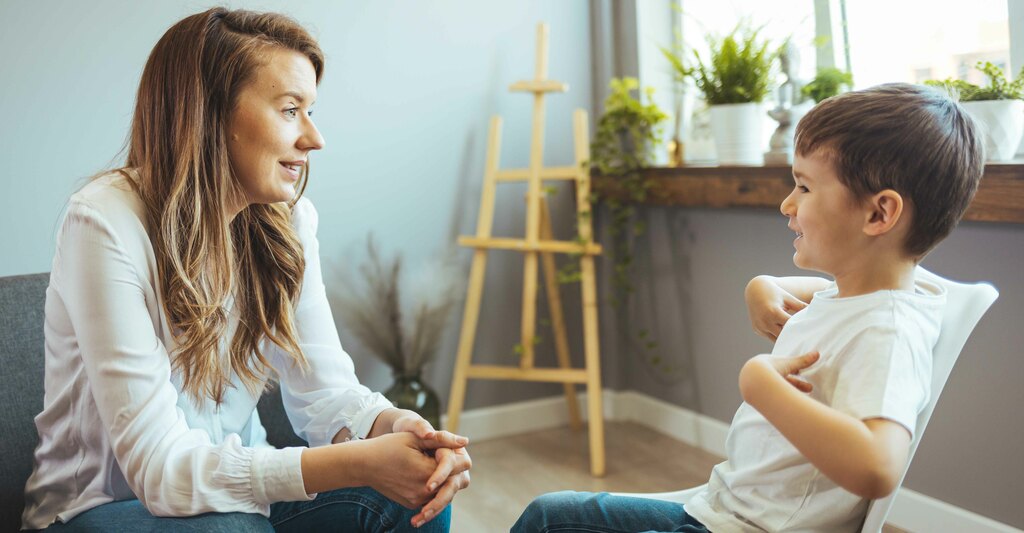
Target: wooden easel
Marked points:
538	241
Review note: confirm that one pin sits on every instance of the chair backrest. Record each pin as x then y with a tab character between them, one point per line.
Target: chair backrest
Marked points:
21	387
965	305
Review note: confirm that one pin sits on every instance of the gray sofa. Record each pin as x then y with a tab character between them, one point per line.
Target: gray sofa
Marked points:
21	391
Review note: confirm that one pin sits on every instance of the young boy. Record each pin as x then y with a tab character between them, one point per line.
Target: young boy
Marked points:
881	176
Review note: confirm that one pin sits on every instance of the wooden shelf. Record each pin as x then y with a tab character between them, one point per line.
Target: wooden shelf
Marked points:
1000	196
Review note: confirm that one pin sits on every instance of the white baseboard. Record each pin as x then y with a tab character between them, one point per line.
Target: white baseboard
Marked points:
911	511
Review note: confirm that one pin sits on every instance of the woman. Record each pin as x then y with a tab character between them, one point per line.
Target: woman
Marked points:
184	281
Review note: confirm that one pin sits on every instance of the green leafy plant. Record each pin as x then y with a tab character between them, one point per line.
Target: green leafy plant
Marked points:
627	134
827	83
739	69
998	88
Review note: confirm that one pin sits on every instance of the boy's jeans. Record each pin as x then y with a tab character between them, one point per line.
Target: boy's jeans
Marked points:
603	513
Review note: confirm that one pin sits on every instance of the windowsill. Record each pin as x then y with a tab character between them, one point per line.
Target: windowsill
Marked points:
1000	196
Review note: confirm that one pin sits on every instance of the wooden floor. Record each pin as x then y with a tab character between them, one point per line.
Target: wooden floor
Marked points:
509	472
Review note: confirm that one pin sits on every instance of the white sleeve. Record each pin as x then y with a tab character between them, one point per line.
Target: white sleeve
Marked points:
174	470
327	397
883	374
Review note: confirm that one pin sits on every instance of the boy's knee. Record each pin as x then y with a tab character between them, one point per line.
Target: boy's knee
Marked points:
546	508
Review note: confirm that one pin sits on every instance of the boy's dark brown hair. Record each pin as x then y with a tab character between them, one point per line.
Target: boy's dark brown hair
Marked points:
913	139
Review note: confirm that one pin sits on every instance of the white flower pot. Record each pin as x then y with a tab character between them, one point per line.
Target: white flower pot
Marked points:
1003	124
1020	149
739	133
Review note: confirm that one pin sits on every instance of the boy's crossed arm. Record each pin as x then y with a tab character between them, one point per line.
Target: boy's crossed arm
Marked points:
771	301
865	457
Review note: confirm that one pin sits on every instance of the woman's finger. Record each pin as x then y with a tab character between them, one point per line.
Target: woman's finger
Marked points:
441	500
415	424
446	439
424	430
445	465
449	463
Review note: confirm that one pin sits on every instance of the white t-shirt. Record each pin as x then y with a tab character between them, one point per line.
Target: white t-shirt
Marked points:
115	424
876	361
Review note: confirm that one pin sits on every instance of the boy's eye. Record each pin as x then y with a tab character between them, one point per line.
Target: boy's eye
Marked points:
802	188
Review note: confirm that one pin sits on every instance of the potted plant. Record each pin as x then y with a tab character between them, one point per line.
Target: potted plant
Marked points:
735	80
370	307
827	83
998	107
627	134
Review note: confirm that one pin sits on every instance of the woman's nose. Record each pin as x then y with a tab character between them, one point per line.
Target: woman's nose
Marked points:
311	138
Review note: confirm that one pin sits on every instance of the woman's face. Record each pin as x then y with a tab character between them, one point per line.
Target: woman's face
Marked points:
270	132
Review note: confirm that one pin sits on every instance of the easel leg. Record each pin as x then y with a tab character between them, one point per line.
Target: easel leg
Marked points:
557	317
465	354
593	361
485	219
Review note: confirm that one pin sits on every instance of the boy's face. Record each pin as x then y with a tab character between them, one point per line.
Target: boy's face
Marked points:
825	215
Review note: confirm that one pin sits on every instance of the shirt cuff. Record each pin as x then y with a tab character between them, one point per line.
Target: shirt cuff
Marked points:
363	421
277	476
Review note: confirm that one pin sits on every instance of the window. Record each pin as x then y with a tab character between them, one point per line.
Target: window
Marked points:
893	41
777	22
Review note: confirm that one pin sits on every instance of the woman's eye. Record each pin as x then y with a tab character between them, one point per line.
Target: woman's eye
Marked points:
309	113
292	112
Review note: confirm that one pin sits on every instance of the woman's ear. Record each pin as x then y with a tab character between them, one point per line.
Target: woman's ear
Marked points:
885	209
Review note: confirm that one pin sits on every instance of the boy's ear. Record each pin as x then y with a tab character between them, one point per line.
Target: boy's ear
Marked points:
884	210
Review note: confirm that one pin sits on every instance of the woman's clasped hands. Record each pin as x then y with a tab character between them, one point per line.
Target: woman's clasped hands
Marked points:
418	466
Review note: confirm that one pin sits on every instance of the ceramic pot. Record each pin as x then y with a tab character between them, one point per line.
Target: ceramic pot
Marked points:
1003	125
410	392
738	131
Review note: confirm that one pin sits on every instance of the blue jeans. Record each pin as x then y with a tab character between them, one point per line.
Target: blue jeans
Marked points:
603	513
358	509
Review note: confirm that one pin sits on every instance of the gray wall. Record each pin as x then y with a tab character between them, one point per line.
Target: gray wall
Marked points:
404	107
970	455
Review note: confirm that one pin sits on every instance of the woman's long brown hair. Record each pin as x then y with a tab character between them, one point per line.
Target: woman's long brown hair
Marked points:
178	151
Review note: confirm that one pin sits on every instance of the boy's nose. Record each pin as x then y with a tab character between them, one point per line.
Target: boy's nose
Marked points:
788	206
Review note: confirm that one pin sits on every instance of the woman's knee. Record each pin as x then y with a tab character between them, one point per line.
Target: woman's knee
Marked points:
439	524
228	523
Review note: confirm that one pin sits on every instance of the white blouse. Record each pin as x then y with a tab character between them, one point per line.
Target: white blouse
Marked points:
115	424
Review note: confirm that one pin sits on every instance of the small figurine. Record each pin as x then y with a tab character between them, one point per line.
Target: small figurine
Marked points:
789	106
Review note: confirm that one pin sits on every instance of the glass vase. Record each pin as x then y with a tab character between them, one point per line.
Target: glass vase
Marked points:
410	392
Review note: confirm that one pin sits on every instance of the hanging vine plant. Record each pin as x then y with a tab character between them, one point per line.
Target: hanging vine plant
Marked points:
627	134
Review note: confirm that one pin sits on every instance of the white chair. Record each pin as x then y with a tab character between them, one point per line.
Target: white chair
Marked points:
965	305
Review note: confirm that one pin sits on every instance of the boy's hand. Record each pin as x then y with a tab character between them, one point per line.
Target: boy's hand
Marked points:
789	368
769	306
